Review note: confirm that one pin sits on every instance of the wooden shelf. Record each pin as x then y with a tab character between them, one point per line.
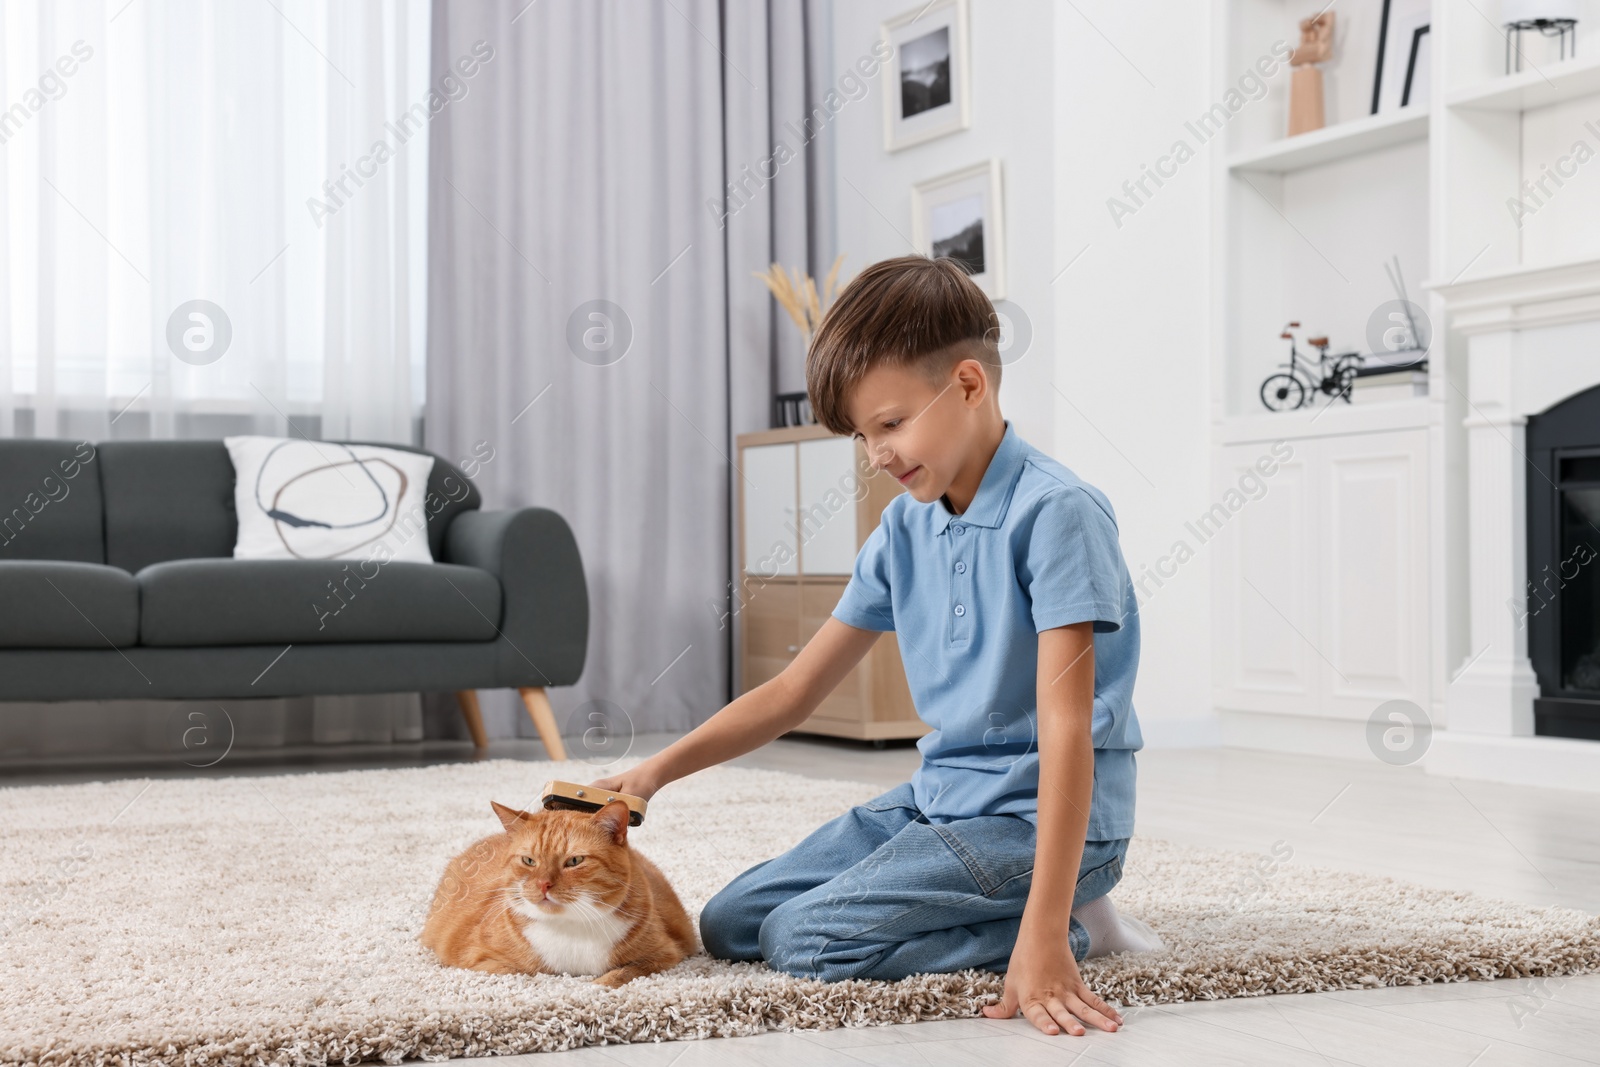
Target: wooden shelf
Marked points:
1529	89
1335	142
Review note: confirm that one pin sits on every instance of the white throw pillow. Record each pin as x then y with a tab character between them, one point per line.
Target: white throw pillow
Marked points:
299	499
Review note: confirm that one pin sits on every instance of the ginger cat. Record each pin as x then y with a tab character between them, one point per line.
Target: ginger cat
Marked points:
559	892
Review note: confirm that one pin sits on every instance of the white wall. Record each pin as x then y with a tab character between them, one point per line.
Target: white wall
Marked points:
1012	107
1133	318
1115	384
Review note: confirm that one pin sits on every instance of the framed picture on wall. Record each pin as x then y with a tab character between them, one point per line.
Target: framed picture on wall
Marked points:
961	215
925	81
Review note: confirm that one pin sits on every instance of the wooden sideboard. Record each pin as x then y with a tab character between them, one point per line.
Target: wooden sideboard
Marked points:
808	499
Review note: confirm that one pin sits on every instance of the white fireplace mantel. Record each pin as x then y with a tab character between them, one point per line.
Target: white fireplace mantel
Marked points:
1532	338
1524	298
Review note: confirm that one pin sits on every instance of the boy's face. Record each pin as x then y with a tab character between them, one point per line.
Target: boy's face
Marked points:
919	431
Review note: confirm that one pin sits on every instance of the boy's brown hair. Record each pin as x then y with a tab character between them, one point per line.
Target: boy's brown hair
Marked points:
907	311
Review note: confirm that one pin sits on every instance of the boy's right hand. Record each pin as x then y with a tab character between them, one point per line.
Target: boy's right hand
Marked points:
636	782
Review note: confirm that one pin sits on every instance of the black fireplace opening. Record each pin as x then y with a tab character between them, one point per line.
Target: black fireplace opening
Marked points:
1562	608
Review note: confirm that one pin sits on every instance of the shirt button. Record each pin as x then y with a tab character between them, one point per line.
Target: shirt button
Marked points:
960	610
960	529
961	568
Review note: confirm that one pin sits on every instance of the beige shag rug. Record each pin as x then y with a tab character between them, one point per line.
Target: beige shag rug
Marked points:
273	920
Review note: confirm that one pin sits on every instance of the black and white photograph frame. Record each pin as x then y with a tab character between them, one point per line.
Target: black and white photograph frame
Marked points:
962	215
925	83
1418	67
1401	74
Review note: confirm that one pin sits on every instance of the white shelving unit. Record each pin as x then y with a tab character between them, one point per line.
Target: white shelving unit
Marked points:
1301	228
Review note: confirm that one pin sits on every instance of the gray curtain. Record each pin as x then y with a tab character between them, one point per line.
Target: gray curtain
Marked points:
592	314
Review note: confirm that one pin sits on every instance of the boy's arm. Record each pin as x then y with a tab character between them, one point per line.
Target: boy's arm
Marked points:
1042	978
1066	776
773	708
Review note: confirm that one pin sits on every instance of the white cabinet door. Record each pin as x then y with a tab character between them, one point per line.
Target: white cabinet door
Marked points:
769	492
1264	530
829	487
1374	568
1321	581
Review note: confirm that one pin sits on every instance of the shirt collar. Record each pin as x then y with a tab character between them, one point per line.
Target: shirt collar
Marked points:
988	507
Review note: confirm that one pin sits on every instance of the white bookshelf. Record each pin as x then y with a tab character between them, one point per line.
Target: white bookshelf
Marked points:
1301	228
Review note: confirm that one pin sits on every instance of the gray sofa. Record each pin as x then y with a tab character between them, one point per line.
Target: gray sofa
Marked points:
118	582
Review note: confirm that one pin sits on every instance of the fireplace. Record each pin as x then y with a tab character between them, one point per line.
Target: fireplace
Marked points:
1562	609
1517	584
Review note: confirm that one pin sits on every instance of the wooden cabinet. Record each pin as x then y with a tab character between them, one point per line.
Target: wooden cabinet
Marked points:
1321	603
807	502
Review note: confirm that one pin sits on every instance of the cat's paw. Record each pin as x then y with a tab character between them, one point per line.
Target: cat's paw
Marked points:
614	979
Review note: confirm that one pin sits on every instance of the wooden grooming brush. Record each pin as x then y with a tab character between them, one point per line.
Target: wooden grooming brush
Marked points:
575	797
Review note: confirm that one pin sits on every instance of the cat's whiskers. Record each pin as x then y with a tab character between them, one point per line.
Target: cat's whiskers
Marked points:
584	911
509	896
595	917
623	912
481	894
613	915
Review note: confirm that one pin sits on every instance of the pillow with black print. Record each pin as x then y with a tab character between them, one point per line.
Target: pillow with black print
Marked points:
301	499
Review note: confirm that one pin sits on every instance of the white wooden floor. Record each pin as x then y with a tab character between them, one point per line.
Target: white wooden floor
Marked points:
1541	846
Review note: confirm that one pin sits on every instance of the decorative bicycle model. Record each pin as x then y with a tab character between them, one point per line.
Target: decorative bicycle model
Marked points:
1299	385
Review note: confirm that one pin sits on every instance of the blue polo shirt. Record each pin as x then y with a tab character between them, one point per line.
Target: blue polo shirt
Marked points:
967	595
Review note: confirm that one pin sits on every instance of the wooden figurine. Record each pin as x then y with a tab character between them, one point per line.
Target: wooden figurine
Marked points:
1305	87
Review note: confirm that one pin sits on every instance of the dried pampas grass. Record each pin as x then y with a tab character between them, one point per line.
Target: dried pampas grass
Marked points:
798	295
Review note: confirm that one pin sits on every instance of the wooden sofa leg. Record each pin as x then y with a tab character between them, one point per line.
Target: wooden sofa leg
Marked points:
544	720
468	699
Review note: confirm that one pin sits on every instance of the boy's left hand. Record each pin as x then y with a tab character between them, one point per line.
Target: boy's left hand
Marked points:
1043	978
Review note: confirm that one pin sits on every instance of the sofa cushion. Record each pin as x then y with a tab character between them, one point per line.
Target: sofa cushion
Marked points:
50	604
166	500
192	602
50	493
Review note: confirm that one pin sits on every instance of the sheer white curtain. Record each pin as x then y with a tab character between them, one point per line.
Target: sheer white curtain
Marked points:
267	158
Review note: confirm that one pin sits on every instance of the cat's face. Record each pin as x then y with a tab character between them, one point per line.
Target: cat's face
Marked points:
555	859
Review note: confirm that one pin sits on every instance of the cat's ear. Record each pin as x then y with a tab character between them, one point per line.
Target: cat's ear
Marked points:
509	817
613	819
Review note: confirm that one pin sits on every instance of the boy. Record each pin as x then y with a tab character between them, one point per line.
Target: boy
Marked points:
1001	574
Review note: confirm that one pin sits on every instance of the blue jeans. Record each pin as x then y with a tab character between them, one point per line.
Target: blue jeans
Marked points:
880	892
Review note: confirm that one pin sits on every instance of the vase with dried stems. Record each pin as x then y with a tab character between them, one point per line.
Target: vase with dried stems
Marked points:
798	295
